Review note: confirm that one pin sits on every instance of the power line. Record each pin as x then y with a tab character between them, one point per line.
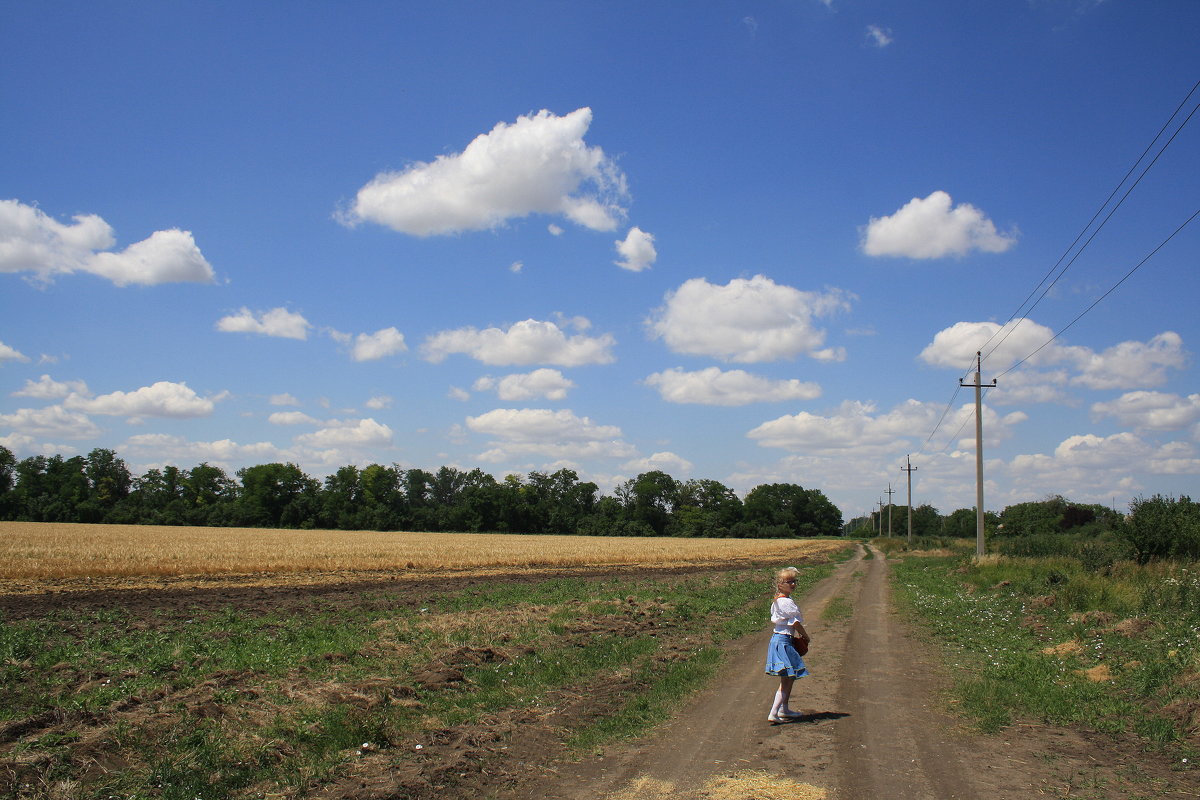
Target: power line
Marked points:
1099	210
1112	289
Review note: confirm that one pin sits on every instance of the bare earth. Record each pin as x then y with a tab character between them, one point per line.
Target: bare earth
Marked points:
873	728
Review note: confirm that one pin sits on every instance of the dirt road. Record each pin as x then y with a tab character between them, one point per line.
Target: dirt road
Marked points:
873	728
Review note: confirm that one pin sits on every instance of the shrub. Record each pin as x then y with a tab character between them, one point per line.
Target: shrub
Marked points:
1164	527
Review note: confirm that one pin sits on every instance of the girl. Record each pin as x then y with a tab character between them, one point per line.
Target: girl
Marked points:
782	658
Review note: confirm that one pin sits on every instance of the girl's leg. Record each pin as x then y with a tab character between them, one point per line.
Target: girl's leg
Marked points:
785	690
781	696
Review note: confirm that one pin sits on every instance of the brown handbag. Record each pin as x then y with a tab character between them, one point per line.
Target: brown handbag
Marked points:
801	645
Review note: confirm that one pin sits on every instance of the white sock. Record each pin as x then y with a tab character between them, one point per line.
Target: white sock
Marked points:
776	707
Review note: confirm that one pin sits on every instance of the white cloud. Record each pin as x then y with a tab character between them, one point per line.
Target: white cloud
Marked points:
161	399
536	165
527	342
746	321
854	426
224	453
548	383
932	228
169	256
636	250
278	322
31	241
555	230
380	402
715	387
1152	411
668	462
292	418
52	421
11	354
1087	462
1126	365
284	399
1129	365
381	344
516	267
879	37
458	393
552	434
46	388
351	434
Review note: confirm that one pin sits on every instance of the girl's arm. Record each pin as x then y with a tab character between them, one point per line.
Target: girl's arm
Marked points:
798	630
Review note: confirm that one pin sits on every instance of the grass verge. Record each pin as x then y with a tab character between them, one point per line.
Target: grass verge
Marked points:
1115	650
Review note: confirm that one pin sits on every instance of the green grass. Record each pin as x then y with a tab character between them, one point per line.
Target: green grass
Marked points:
238	703
838	609
995	618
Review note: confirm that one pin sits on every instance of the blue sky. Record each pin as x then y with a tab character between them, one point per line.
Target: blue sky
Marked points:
749	241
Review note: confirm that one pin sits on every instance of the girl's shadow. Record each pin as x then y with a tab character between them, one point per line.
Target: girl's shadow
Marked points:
813	717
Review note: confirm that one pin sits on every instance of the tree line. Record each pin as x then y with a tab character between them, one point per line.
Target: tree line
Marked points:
99	487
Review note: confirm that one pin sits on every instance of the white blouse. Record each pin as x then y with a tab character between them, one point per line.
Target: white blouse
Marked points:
785	613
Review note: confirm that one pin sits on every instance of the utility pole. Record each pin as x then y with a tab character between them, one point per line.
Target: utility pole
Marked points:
890	492
979	385
909	469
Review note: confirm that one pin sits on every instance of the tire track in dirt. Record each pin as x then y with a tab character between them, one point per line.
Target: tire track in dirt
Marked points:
893	743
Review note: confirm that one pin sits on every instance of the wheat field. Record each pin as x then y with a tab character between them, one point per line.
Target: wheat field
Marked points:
41	550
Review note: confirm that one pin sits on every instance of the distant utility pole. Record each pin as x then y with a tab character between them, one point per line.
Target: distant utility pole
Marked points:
890	492
909	469
979	385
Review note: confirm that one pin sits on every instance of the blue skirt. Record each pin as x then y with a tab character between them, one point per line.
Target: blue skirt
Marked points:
782	658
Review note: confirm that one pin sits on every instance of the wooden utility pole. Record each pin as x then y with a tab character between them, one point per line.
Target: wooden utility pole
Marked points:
909	469
979	386
890	492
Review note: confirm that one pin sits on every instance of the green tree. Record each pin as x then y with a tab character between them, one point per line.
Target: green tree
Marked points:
278	496
8	481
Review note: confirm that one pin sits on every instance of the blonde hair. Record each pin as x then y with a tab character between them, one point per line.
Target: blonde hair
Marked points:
784	574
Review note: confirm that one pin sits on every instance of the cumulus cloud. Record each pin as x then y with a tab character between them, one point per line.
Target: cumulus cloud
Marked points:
879	37
379	402
284	399
11	354
161	399
539	164
668	462
1152	411
636	250
747	320
527	342
934	228
541	383
278	322
854	426
52	421
715	387
352	434
223	452
1087	461
46	388
552	434
381	344
33	242
1126	365
1131	364
292	418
